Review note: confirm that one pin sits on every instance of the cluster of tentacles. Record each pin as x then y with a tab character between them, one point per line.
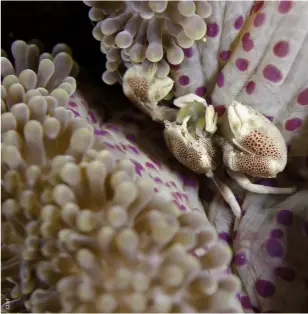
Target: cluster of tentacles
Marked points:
146	32
81	232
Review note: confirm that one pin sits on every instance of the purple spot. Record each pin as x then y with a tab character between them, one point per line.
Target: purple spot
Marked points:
239	22
293	124
134	149
225	237
220	79
150	165
272	73
285	273
156	190
241	64
274	248
188	52
245	301
240	259
247	42
220	109
284	6
76	114
306	227
259	19
158	180
276	233
284	217
92	116
200	91
131	138
183	80
212	30
101	132
281	49
250	87
72	104
265	289
183	208
138	167
302	97
225	55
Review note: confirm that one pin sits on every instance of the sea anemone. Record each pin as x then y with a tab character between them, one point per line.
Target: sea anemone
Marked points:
82	233
49	77
134	32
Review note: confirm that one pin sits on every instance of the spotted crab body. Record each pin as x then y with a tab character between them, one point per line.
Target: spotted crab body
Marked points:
260	150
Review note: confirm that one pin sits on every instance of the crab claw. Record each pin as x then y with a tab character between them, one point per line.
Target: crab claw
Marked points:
188	99
145	89
260	150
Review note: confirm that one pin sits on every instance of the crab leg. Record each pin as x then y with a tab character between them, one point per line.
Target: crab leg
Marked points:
227	194
245	183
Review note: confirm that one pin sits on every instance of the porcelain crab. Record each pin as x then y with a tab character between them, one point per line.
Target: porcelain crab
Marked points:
249	143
